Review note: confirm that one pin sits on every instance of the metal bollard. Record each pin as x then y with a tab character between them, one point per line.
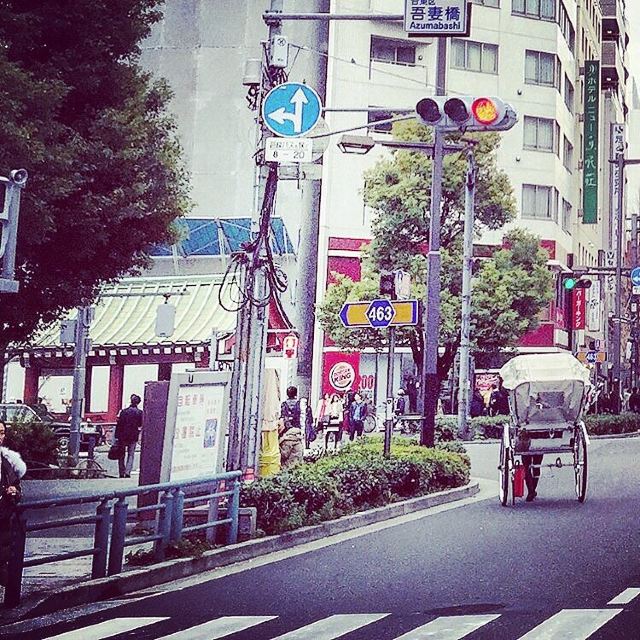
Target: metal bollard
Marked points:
164	526
118	533
101	540
17	542
177	517
232	512
214	508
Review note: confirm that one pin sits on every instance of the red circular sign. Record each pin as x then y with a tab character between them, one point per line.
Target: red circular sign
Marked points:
342	376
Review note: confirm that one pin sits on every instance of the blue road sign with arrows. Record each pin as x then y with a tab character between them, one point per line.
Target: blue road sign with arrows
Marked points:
291	109
635	277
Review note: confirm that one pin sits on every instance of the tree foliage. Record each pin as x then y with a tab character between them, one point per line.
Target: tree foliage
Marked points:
510	289
93	131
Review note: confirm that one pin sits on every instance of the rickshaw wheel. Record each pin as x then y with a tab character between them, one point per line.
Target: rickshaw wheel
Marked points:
505	473
580	464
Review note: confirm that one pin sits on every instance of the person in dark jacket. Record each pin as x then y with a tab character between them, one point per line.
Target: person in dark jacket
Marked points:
357	415
127	433
634	401
12	468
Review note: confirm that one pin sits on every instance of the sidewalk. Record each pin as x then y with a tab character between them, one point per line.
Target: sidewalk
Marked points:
61	585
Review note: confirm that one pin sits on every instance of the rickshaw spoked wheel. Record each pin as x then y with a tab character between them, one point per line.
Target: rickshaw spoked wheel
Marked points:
505	473
580	463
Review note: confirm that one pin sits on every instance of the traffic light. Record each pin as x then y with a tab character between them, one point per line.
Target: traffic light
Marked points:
466	113
570	283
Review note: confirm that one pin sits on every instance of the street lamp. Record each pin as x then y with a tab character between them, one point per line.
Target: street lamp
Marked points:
356	144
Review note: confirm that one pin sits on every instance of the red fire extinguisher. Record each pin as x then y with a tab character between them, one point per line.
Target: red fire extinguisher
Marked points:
518	481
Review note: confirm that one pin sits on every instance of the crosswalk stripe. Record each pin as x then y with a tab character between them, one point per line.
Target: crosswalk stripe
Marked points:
218	628
332	627
571	624
107	629
449	628
626	596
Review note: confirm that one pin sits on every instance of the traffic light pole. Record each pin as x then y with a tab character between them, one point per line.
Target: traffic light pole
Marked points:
464	387
388	423
80	350
430	388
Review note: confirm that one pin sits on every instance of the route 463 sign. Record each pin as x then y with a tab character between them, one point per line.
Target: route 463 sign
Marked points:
380	314
429	18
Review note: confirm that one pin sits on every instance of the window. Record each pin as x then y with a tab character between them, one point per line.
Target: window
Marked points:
566	27
569	94
542	68
538	9
541	134
380	114
567	155
487	3
393	51
474	56
539	202
566	216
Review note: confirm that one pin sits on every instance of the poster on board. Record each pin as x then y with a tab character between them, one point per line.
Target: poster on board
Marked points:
196	425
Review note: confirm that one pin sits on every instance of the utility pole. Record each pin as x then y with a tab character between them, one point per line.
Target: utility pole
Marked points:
465	328
388	423
80	351
430	387
9	215
307	264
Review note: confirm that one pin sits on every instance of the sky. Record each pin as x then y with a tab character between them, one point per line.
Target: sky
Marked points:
633	19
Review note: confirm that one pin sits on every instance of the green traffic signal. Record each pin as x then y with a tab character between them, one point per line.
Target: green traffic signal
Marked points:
570	283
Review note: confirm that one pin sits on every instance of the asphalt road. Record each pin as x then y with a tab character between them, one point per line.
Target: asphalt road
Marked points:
505	573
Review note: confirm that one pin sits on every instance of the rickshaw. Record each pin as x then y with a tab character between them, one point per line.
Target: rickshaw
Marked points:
548	394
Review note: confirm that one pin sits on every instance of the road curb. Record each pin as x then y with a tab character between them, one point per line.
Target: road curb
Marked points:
93	591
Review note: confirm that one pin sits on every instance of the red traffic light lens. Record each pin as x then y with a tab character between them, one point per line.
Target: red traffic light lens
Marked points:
428	110
485	110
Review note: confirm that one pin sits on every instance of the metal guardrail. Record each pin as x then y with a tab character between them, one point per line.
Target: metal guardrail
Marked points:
110	520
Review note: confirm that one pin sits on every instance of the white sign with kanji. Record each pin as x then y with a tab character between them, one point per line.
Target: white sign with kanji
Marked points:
431	18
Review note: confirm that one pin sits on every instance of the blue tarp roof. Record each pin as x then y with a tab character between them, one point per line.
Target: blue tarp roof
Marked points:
221	236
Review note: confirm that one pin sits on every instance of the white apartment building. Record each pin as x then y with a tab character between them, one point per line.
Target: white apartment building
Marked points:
529	53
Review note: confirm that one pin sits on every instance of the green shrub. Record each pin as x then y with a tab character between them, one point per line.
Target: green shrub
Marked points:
606	424
35	442
484	427
356	478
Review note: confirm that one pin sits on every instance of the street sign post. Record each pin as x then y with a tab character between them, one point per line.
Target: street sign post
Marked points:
379	314
291	109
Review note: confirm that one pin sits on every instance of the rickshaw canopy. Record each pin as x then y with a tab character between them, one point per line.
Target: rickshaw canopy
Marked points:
546	388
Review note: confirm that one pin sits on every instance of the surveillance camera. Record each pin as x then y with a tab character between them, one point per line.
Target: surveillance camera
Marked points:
19	176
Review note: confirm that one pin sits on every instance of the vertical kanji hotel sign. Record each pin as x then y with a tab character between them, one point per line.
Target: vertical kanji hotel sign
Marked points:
590	151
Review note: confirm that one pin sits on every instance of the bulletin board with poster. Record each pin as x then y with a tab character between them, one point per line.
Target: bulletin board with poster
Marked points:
196	427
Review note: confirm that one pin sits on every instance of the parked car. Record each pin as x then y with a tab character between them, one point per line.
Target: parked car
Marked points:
90	433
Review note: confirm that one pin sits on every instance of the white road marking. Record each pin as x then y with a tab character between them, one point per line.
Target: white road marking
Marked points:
626	596
218	628
332	627
107	629
572	624
448	628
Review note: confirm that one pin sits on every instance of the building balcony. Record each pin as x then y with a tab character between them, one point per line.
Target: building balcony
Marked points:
612	19
612	70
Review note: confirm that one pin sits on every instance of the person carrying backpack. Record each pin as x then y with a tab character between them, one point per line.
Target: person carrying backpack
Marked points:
290	430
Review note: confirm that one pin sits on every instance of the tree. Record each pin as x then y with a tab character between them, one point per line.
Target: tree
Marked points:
94	133
510	288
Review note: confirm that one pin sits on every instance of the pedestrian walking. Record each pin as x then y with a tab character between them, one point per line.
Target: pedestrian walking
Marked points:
357	415
127	434
634	400
499	400
290	430
477	404
12	469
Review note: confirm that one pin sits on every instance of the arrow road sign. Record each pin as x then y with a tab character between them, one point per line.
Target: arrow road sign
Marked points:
380	313
635	277
291	109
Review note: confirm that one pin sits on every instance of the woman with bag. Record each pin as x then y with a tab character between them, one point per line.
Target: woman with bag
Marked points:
335	418
12	468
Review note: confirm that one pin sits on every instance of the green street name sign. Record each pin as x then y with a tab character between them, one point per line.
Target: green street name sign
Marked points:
590	150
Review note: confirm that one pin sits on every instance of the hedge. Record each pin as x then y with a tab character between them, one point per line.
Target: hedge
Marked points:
491	427
34	441
355	479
